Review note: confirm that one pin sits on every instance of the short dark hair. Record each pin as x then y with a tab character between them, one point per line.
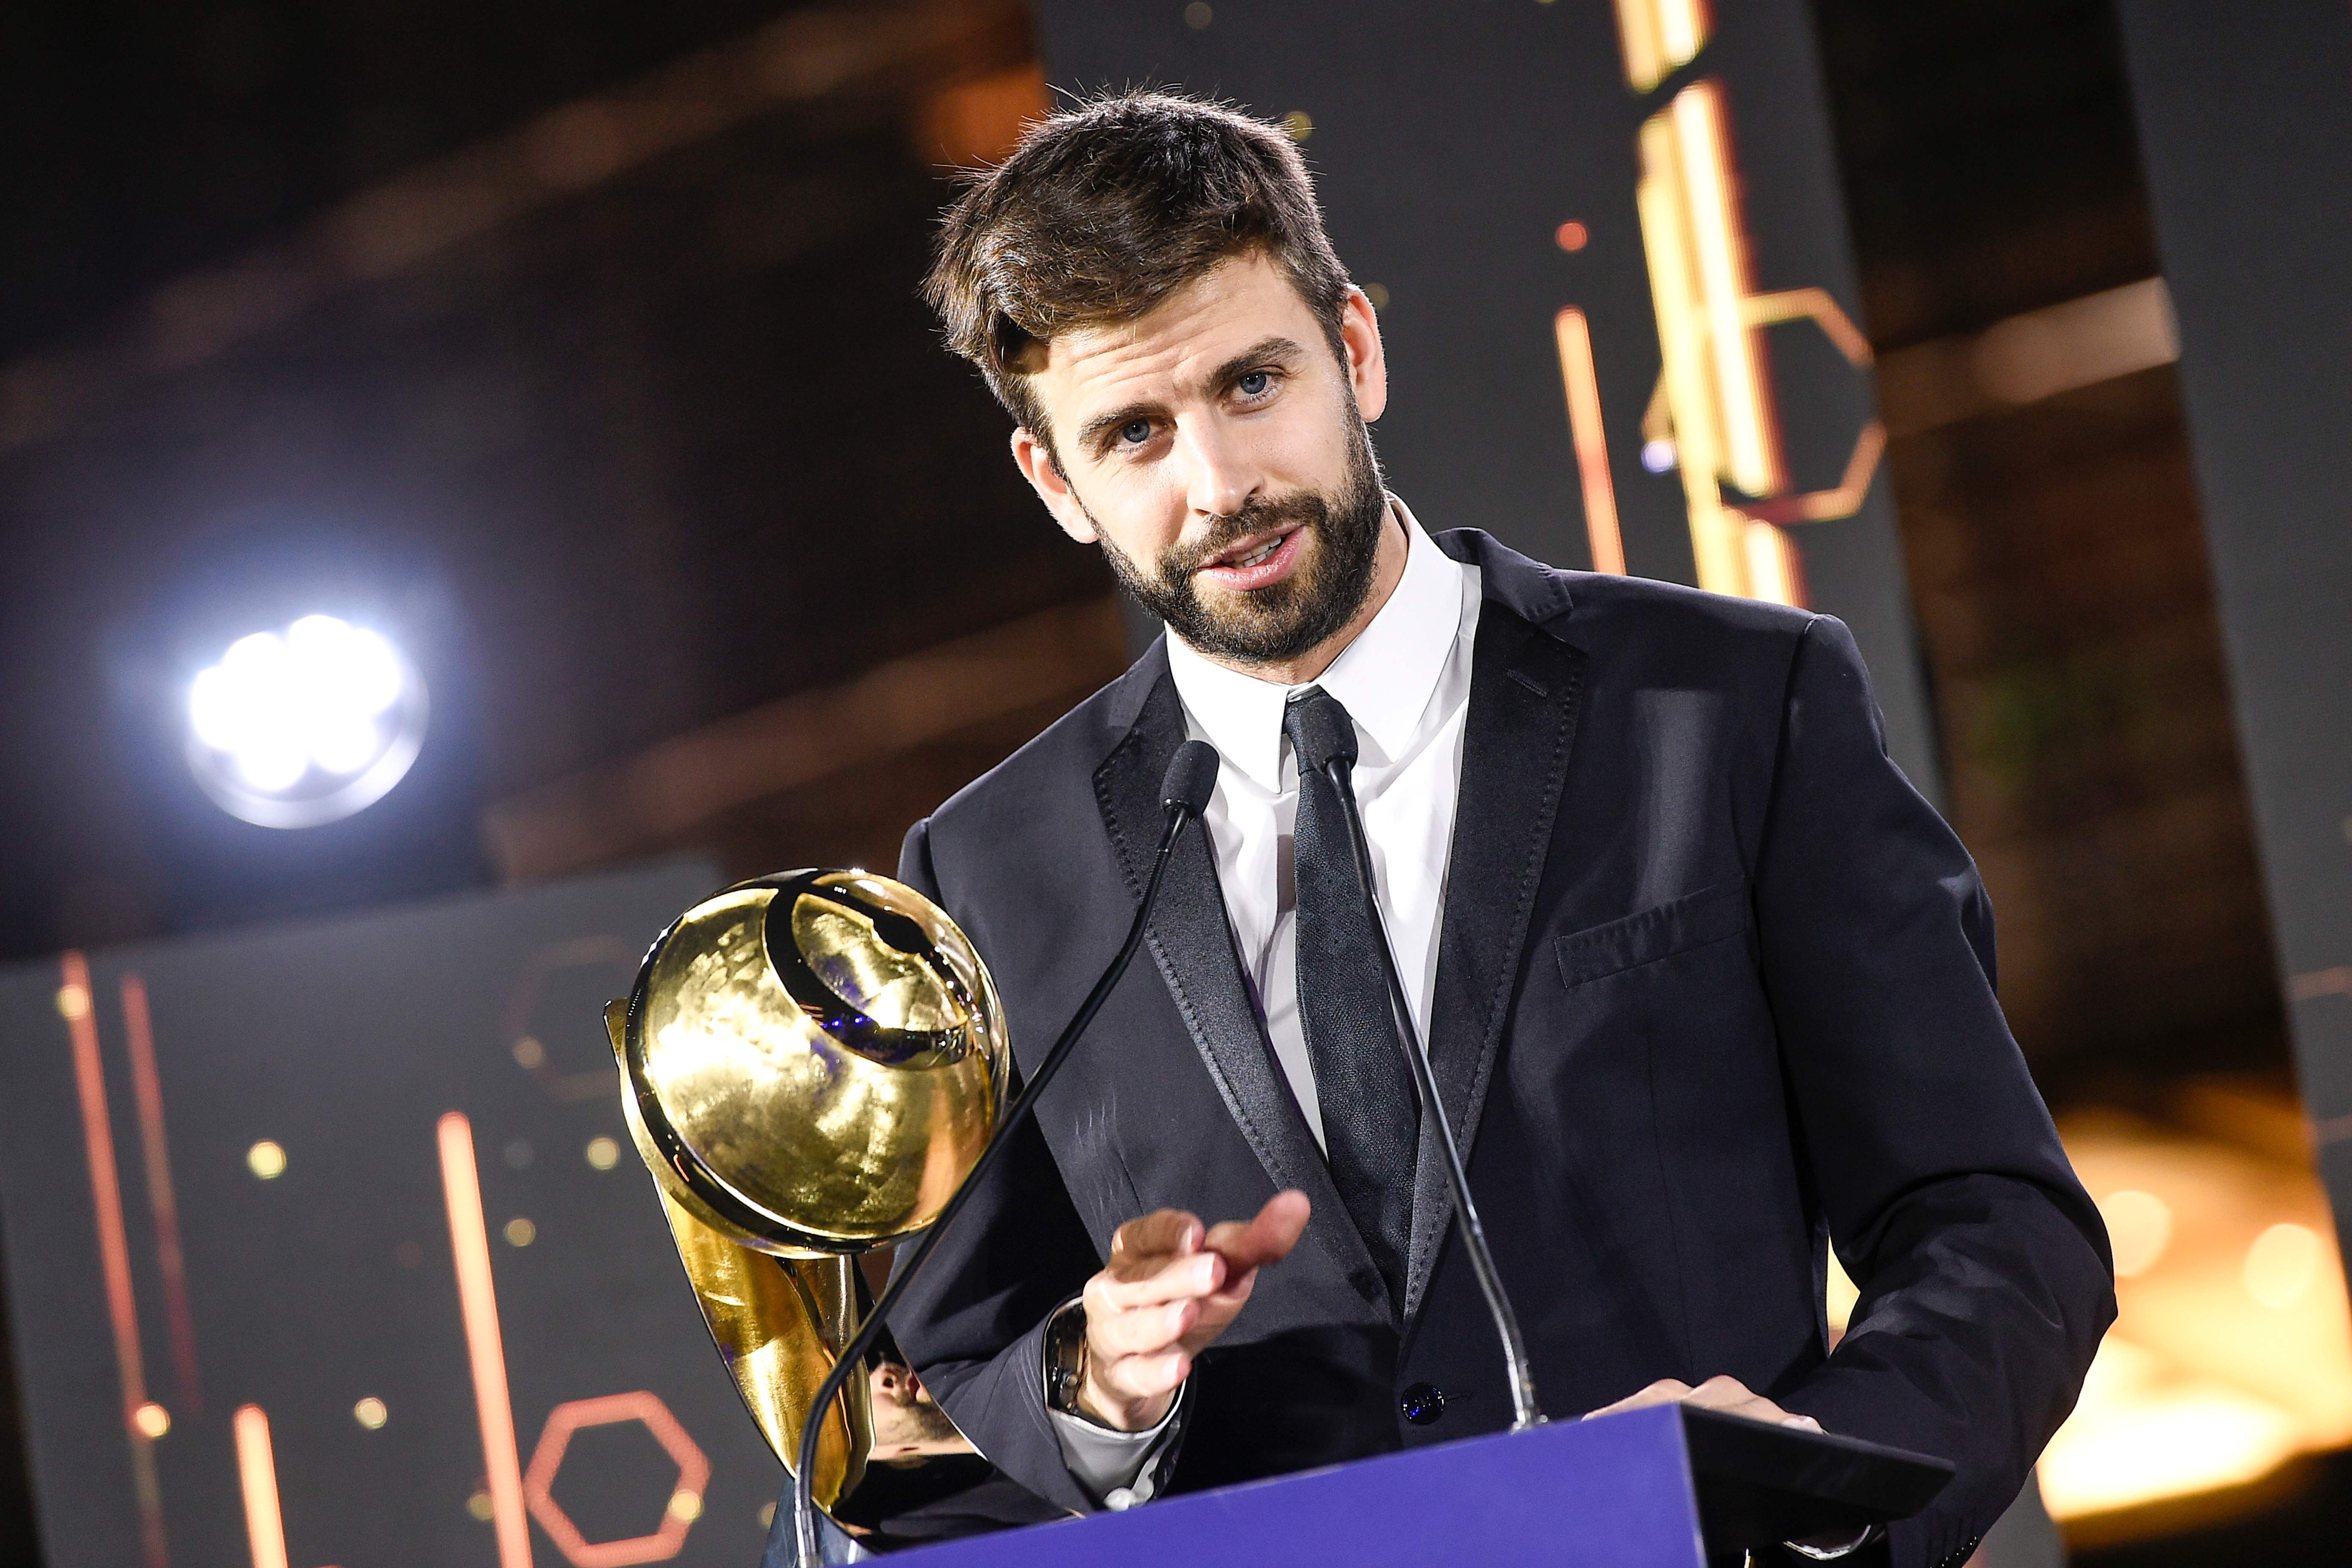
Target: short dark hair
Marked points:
1105	209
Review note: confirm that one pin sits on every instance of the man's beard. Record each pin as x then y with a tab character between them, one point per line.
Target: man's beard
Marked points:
1284	619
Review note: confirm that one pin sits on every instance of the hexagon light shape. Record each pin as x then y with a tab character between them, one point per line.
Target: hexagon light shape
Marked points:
539	1481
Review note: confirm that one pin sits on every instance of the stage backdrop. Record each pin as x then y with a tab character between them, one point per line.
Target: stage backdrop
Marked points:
1612	268
336	1232
2245	117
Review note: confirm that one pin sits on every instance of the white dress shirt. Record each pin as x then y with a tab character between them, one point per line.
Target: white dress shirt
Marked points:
1405	682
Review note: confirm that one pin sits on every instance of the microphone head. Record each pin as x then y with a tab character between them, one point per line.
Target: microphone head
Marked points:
1192	779
1320	731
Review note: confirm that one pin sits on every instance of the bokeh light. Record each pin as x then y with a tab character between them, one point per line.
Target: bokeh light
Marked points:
2284	1264
2230	1354
267	1160
370	1413
2139	1225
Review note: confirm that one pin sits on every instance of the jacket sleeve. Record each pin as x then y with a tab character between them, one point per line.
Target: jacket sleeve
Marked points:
974	1323
1984	1271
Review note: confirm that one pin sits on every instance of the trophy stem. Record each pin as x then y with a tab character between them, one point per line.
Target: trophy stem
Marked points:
780	1323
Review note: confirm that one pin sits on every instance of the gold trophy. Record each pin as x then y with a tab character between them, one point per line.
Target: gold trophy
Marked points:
811	1065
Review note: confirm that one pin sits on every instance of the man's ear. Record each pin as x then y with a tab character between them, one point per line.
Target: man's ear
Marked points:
1368	365
1035	461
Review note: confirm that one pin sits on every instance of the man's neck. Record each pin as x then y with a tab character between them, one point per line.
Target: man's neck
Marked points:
1388	570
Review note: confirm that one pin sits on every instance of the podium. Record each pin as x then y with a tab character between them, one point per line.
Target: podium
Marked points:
1666	1486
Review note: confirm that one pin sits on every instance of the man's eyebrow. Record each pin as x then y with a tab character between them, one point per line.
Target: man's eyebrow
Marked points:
1277	349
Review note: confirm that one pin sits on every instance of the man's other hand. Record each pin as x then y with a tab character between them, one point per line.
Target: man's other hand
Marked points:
1727	1395
1171	1287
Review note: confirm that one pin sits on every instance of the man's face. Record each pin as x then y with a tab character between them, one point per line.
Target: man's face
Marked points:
1216	448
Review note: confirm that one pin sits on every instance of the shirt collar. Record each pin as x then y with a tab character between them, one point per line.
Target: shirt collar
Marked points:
1384	679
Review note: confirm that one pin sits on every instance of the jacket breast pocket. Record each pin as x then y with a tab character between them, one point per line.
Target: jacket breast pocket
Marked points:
1693	921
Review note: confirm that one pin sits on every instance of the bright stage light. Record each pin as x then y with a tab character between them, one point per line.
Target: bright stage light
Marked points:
296	728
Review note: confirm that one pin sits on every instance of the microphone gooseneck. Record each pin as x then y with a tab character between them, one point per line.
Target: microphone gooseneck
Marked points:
1184	794
1329	739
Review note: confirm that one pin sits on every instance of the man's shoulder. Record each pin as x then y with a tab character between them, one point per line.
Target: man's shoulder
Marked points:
1644	608
1053	773
1602	613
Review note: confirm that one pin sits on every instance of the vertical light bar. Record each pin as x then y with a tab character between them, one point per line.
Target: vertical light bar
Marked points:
1690	398
257	1473
147	1089
75	1001
1637	35
469	1245
1582	385
1718	250
1683	26
1774	573
1660	36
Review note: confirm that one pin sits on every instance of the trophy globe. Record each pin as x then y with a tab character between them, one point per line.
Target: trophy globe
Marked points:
811	1065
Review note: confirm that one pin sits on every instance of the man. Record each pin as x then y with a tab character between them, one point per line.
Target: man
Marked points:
1707	987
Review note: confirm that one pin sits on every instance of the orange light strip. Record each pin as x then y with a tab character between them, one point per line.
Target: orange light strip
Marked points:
256	1472
470	1244
79	1009
1660	36
1775	574
1720	249
1582	385
147	1089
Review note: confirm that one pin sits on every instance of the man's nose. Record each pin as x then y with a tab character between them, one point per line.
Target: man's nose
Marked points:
1222	474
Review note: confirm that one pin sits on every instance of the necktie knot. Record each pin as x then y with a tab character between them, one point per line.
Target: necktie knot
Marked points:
1318	726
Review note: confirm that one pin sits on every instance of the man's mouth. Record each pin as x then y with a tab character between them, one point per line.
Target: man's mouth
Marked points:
1253	564
1247	553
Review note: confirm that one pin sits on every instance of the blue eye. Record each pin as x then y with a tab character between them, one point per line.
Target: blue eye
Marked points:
1254	383
1135	432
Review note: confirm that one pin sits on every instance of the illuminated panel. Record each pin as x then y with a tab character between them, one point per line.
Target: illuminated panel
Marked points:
147	1089
685	1505
74	1001
256	1474
469	1245
1583	389
1660	36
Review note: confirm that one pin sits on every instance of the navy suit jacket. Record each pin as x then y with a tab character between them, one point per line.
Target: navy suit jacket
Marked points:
1715	993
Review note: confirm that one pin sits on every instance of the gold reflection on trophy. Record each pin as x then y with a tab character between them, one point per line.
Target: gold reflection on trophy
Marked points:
811	1063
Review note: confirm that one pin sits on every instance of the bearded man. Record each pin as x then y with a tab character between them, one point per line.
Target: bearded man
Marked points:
1708	985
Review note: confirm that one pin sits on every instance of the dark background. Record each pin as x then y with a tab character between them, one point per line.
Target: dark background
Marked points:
663	450
333	1280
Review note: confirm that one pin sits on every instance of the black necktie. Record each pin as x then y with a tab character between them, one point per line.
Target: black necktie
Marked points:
1372	1122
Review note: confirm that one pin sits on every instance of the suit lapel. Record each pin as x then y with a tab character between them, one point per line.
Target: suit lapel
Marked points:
1192	941
1526	689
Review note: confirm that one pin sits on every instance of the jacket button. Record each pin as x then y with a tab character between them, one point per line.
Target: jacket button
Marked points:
1421	1403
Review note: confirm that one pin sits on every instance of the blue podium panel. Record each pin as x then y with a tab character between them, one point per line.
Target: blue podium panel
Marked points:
1612	1493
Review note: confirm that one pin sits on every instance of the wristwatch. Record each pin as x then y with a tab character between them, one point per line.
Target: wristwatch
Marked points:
1066	1356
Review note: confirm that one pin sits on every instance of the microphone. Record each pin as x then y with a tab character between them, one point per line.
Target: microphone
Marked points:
1184	792
1328	737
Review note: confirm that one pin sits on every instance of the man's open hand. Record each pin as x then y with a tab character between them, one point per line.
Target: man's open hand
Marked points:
1171	1287
1727	1395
